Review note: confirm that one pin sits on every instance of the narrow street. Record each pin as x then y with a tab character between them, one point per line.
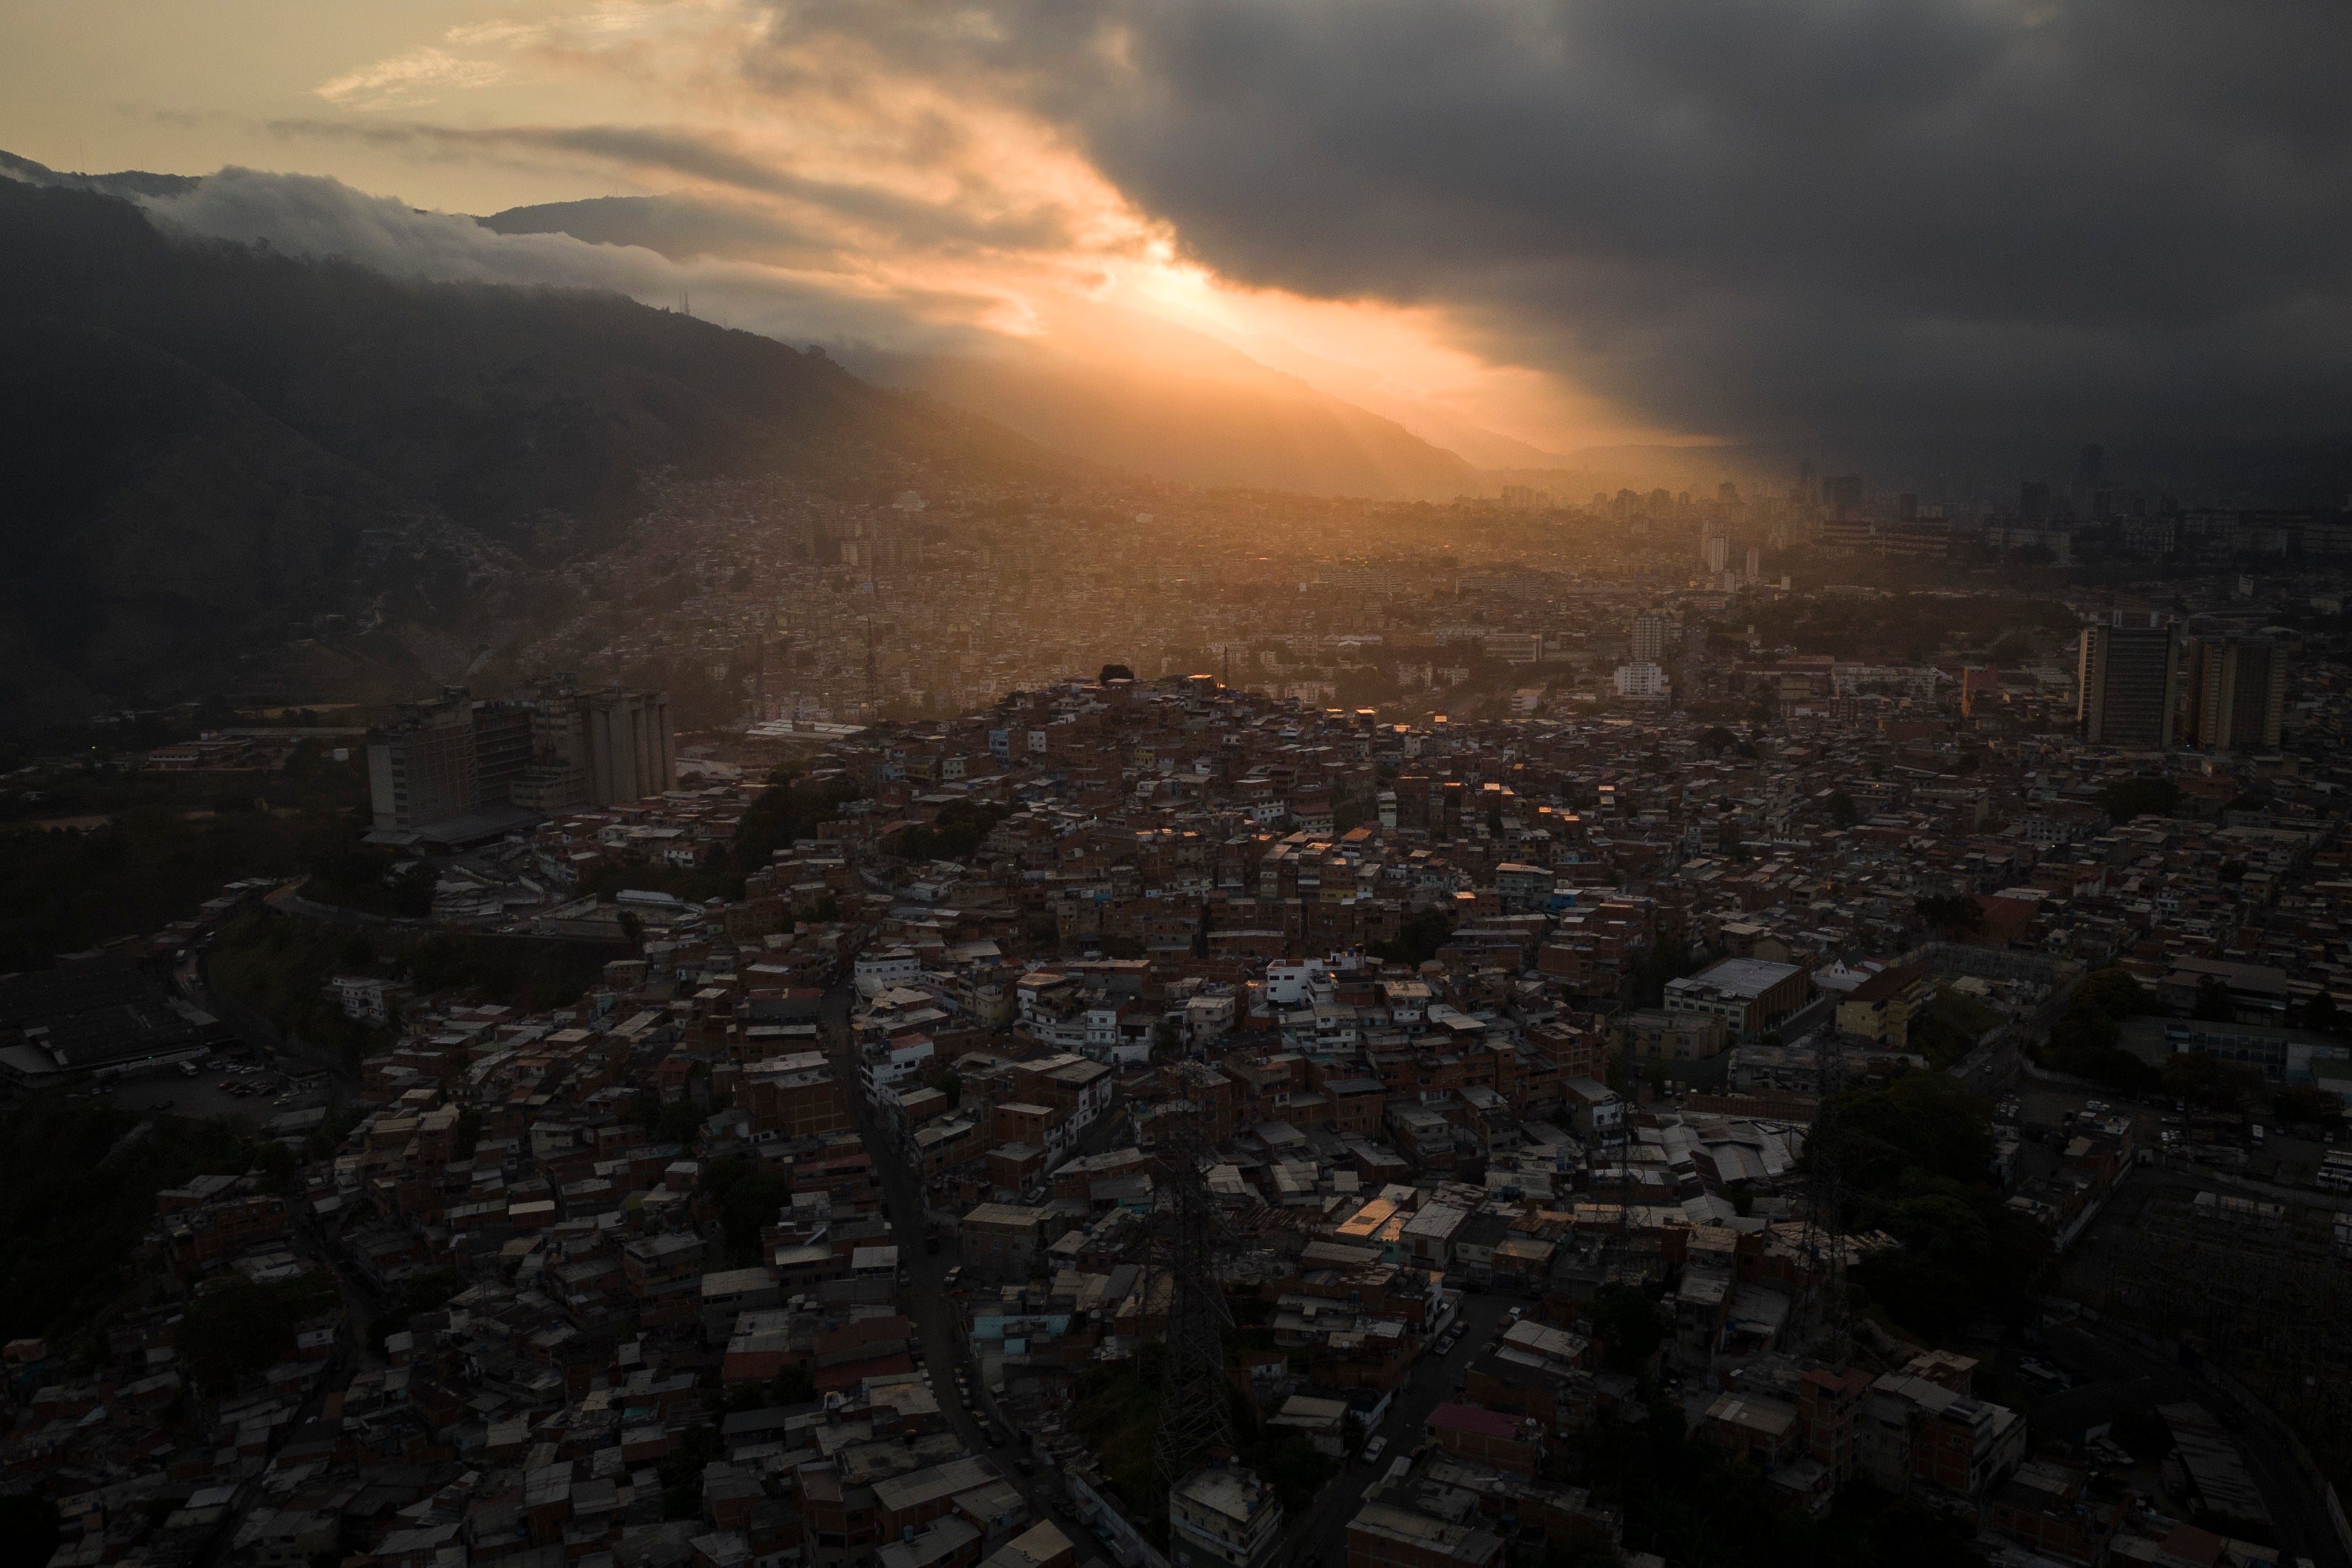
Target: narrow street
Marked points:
924	1296
1432	1383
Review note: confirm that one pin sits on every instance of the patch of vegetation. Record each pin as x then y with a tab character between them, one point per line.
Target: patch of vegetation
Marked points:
29	1530
1916	1159
1418	940
77	1193
426	1292
2210	1082
279	964
346	870
1905	627
791	808
960	826
241	1327
793	1385
680	1471
748	1198
2124	799
1948	1027
1698	1507
1118	1411
2084	1041
1627	1324
173	840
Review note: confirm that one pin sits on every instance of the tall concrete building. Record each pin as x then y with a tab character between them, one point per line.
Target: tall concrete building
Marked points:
2234	691
2130	674
421	771
630	752
555	751
1650	630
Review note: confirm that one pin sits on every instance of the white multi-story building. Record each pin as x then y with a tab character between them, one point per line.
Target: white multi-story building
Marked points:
883	1066
877	972
1223	1514
1641	681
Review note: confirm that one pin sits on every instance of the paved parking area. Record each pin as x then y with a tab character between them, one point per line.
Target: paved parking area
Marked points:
203	1094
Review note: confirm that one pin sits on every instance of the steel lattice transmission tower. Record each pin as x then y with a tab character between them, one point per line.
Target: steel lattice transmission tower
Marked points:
1825	1198
1195	1417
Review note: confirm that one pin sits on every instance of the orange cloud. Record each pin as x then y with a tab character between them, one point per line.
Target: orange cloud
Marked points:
890	182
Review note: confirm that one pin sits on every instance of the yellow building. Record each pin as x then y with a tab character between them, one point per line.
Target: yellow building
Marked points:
1881	1008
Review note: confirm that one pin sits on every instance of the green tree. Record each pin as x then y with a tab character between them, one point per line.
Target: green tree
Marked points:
77	1194
1915	1158
2124	799
2116	993
2211	1082
791	808
2010	649
680	1471
2084	1040
749	1199
1843	812
1111	672
2213	1004
2321	1014
1949	914
1418	940
2309	1107
241	1327
1627	1323
417	1294
29	1531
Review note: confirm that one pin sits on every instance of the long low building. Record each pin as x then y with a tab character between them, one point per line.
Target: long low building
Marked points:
1749	995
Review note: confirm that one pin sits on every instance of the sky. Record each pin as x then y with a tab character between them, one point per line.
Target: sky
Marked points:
1574	223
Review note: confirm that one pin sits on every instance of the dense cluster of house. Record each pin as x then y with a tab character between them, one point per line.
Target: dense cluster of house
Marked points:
621	1283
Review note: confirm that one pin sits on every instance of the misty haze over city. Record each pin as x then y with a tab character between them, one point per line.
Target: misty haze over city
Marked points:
1525	784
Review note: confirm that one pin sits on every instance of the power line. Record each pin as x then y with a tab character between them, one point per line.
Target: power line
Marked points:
1196	1423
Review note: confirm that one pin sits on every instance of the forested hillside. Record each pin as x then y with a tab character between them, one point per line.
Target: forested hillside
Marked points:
211	449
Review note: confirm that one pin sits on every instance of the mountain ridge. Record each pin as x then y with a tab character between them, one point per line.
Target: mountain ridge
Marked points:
220	447
1207	412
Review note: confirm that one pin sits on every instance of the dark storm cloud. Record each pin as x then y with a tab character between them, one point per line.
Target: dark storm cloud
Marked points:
1757	218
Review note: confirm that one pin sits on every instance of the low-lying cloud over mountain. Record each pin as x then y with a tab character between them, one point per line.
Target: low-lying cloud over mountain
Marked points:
305	215
1115	386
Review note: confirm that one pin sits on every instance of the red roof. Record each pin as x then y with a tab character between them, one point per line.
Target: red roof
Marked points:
1888	983
2192	1545
848	1374
1475	1418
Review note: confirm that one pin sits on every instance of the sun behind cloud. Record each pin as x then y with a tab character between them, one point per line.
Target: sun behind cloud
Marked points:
888	178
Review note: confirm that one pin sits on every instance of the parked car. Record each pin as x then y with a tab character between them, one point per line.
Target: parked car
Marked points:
1372	1450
